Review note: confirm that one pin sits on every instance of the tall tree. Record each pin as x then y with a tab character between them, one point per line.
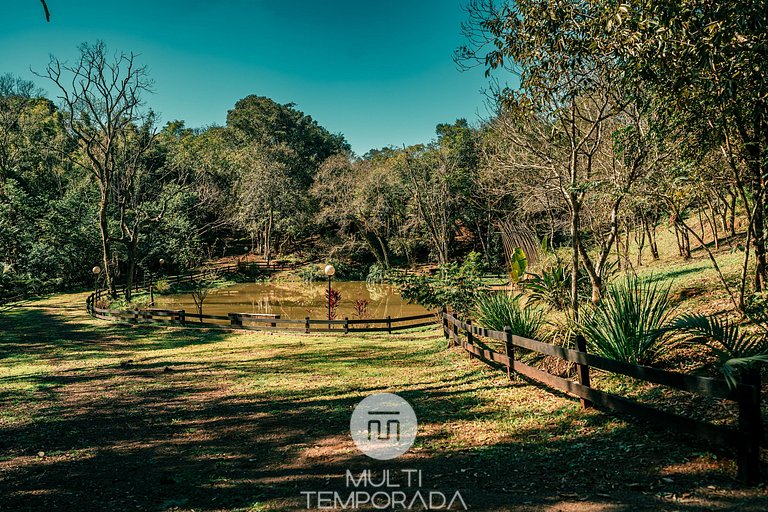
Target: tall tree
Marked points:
101	101
707	61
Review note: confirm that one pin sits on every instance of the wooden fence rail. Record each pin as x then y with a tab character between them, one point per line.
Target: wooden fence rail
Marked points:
745	438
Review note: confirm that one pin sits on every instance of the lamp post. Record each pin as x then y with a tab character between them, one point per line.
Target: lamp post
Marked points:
329	271
96	271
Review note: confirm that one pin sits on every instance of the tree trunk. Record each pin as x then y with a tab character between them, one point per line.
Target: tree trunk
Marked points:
268	236
627	263
104	231
758	240
133	245
712	220
652	240
575	227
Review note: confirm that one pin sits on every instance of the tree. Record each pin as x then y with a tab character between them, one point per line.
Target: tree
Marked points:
571	107
262	122
427	174
363	198
101	100
706	61
279	150
201	287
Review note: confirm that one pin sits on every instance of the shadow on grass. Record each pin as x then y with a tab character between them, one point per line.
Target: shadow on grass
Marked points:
31	332
192	434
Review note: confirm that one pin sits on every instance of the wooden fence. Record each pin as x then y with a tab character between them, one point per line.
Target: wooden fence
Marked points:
248	321
745	438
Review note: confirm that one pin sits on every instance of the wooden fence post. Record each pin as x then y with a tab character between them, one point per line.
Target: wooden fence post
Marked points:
274	324
346	325
235	320
583	370
455	332
751	424
389	324
183	317
510	348
470	337
306	325
444	315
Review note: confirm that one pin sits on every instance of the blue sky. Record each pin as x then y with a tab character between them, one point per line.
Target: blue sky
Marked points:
379	72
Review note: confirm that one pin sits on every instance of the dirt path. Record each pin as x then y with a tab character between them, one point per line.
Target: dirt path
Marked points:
100	417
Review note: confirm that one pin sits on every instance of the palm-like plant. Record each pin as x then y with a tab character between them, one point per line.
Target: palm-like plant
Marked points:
499	310
552	287
631	322
735	349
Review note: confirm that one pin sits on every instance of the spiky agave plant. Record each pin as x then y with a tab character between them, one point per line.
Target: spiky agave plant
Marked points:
735	349
631	322
501	309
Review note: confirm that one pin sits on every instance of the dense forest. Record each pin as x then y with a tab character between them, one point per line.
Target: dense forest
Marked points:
627	116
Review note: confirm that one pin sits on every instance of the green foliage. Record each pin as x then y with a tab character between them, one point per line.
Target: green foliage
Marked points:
310	273
455	286
735	349
376	274
502	309
518	262
631	321
552	287
162	286
349	271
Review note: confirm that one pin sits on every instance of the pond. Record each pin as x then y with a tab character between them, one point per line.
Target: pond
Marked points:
297	300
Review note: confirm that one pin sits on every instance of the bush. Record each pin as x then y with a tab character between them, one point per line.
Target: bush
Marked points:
736	350
552	287
455	286
498	310
376	274
631	322
310	273
162	286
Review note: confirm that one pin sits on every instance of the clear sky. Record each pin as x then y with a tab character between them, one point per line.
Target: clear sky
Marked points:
380	72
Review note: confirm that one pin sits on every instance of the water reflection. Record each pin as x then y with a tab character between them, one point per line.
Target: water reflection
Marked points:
296	300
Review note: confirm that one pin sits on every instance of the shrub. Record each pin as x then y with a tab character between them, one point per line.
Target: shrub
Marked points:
333	298
310	273
631	322
498	310
361	308
552	287
454	286
162	286
735	349
376	274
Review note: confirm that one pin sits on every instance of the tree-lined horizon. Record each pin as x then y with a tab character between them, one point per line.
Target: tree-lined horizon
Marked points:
605	139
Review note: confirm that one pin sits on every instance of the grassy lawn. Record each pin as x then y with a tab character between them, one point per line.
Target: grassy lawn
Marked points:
102	417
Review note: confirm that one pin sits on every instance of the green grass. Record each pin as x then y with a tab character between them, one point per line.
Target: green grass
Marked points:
162	419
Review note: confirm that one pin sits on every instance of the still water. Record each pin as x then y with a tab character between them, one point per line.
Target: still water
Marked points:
296	300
